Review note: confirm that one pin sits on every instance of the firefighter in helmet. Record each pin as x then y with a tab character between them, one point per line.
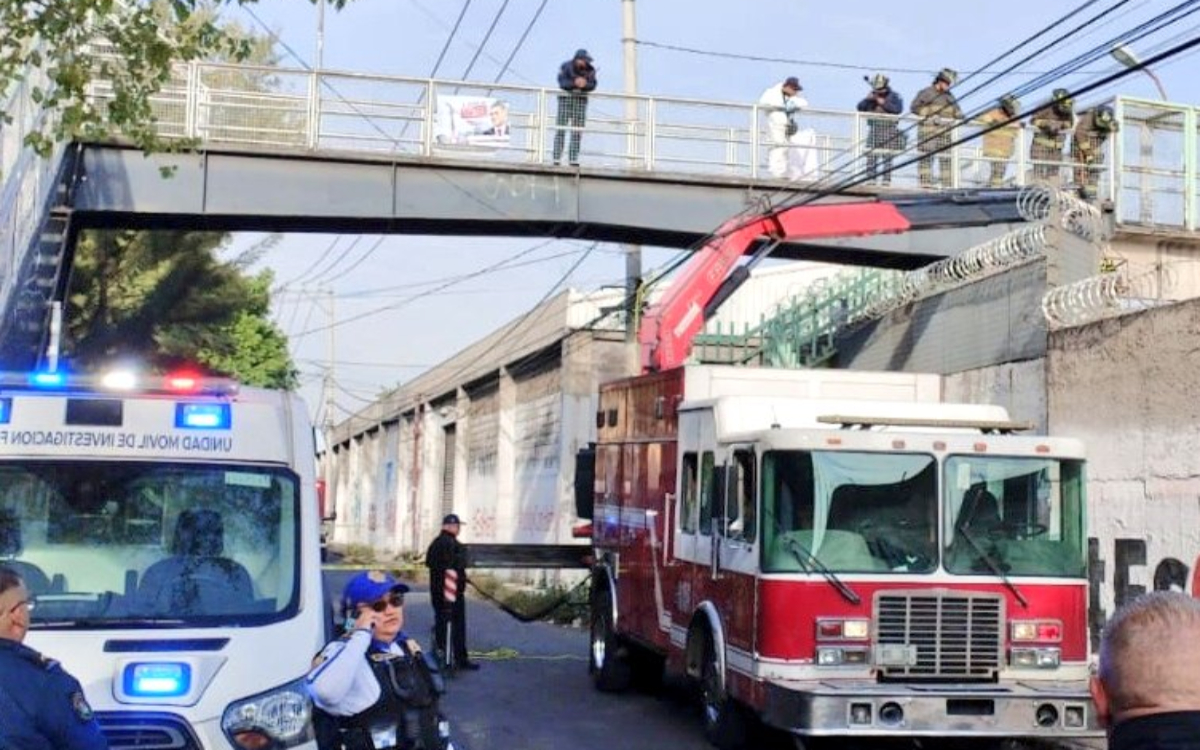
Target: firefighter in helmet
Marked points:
1050	126
938	110
1087	147
1000	144
884	139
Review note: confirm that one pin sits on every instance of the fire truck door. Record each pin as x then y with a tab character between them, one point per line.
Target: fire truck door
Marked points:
737	519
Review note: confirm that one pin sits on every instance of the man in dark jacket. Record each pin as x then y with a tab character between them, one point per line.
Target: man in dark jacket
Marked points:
938	110
576	77
1146	690
447	562
883	133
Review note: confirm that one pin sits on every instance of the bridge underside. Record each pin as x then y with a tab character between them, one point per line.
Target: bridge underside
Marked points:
258	192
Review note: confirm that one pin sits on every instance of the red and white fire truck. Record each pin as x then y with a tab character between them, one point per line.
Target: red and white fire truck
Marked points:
840	553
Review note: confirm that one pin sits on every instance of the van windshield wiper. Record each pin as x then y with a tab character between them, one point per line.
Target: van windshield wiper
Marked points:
809	561
995	566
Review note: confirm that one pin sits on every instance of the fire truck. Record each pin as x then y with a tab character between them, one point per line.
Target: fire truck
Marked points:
837	553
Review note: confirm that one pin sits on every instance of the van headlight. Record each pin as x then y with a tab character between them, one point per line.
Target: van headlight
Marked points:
278	718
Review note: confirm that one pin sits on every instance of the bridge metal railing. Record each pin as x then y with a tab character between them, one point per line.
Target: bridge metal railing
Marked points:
1148	170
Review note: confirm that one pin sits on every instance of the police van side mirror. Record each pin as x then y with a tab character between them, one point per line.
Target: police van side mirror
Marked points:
585	482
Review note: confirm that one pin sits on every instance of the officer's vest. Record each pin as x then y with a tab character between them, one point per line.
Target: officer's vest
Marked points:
405	716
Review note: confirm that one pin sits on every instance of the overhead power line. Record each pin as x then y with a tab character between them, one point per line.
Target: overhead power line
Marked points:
809	63
520	42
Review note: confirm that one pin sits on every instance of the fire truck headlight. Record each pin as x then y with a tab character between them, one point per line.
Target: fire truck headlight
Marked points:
836	656
1035	658
843	630
1044	631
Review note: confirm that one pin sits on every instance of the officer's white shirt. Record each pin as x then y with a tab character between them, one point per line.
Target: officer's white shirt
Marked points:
342	682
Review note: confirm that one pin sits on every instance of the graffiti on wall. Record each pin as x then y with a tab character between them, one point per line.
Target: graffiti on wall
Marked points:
483	524
1126	557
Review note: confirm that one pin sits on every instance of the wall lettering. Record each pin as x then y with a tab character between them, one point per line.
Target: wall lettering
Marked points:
1170	574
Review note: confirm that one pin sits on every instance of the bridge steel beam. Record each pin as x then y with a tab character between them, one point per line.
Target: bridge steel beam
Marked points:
248	191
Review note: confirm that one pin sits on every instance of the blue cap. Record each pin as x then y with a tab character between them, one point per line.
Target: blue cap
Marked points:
582	54
452	518
370	586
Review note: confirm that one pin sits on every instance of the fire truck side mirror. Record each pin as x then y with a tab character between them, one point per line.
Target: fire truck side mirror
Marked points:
585	481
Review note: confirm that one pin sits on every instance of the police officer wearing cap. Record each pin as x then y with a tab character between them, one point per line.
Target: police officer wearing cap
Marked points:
374	688
41	706
448	555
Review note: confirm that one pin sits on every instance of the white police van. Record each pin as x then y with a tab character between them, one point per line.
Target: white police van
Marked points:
168	530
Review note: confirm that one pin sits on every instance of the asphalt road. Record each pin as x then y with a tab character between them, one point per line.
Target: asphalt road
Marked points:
533	692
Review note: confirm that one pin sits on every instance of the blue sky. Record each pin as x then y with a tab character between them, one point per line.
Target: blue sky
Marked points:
909	41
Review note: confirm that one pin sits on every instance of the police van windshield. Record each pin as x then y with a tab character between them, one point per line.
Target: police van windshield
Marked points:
1024	516
132	544
854	512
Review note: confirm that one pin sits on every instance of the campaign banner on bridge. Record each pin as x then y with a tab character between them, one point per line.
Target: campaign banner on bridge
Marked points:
471	122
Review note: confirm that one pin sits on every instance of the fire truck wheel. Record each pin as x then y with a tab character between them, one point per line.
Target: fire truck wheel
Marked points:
724	721
609	662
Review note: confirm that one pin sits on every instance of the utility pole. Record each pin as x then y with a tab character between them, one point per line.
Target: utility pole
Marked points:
330	371
319	61
633	252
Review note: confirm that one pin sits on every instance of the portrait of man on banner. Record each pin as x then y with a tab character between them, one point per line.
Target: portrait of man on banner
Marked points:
472	122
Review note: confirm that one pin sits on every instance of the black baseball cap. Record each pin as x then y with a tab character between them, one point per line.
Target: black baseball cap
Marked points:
582	54
452	518
794	82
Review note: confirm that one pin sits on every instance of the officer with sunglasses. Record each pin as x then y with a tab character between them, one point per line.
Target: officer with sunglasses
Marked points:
41	706
374	688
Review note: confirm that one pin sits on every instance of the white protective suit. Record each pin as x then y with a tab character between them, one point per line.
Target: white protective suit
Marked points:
778	109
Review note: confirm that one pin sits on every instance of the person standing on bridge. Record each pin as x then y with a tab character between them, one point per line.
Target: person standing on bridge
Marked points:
41	706
446	558
938	109
884	139
1050	126
779	104
1087	147
1000	144
1146	688
576	77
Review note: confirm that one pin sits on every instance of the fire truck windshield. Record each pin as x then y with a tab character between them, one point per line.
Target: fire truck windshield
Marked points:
1024	514
154	544
855	512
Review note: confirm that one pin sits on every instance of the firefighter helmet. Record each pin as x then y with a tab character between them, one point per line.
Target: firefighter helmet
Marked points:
1011	105
1063	101
879	82
1104	119
949	75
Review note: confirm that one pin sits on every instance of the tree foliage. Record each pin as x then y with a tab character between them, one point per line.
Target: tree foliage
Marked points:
142	39
165	299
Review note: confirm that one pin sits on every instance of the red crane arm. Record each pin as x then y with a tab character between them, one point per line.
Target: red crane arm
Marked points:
666	331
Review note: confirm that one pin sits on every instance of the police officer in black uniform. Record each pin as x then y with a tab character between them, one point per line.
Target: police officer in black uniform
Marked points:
41	706
374	688
446	553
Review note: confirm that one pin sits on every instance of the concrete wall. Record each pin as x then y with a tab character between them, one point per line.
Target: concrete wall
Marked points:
1130	388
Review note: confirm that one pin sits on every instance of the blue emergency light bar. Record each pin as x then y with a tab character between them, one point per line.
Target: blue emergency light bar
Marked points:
157	679
203	416
120	381
5	410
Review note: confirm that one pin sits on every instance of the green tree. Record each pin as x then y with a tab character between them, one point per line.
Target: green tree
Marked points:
165	299
145	39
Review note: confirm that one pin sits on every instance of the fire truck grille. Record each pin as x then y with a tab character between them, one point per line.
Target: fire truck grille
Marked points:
940	634
146	731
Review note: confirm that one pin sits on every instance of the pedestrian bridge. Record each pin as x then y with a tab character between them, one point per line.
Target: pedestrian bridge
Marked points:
296	150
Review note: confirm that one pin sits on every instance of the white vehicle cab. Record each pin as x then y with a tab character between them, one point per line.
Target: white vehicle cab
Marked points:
168	530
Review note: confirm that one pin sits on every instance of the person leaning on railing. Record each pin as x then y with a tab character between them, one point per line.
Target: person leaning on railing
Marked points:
938	109
1050	126
1000	144
576	77
1087	147
884	139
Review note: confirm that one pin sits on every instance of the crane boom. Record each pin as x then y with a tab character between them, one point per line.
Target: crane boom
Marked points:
666	331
